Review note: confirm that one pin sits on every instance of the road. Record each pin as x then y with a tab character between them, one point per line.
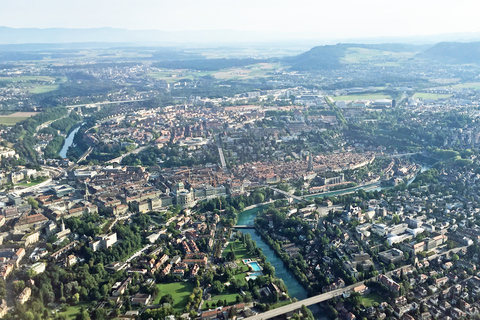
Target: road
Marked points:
138	253
222	158
286	194
85	154
314	300
102	103
307	302
220	152
119	159
37	186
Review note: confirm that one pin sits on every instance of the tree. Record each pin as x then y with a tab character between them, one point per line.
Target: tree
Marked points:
76	298
396	219
167	299
32	202
28	316
218	287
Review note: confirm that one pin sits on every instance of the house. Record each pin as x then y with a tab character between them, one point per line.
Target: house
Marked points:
361	289
24	296
389	283
141	299
3	308
103	242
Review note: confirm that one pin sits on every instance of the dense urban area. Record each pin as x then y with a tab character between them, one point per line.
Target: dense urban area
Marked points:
153	183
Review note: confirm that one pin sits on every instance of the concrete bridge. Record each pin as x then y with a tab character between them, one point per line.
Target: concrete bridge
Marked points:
290	308
286	194
244	226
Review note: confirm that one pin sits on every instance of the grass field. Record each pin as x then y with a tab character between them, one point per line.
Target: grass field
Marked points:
369	299
172	76
239	249
425	95
358	55
26	78
365	96
231	299
30	184
470	85
42	88
254	71
179	291
72	311
13	118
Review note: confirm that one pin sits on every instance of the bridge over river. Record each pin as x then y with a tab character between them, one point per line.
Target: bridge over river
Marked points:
307	302
244	226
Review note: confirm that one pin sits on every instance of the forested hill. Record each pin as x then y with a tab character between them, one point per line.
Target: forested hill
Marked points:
330	56
454	52
318	58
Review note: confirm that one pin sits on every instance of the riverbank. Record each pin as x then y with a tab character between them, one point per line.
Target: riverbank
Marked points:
69	141
295	288
258	205
370	184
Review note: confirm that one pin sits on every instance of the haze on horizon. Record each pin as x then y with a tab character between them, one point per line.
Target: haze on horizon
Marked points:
303	18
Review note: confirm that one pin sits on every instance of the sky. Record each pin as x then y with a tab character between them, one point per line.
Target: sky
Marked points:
326	18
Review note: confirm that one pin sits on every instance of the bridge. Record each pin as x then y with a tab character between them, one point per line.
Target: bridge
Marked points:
307	302
286	194
316	299
85	154
404	154
94	104
244	226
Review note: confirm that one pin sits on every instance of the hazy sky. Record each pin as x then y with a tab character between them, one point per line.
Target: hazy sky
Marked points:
329	18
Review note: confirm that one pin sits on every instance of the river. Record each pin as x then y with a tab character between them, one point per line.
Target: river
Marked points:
295	289
68	142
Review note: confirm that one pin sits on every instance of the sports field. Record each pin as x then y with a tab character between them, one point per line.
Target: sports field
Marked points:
13	118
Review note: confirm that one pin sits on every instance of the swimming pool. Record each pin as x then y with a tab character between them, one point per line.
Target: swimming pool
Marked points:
255	266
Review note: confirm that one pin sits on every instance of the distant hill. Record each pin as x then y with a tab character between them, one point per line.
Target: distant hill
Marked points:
329	57
454	52
318	58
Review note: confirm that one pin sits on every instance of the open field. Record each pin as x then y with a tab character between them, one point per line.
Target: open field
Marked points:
26	78
358	55
370	298
239	249
231	299
425	95
179	291
172	76
470	85
72	311
13	118
254	71
364	96
42	88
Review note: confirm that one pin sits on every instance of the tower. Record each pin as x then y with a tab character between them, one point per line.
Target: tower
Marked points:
310	162
87	194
